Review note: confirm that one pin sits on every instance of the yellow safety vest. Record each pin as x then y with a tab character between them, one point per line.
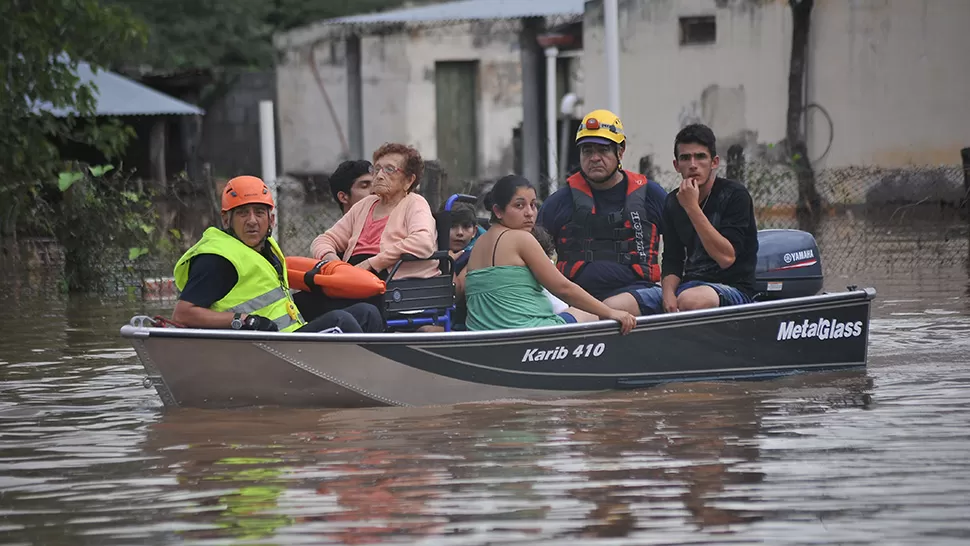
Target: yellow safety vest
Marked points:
260	290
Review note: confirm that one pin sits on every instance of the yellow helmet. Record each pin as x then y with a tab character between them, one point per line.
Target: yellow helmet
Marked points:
601	126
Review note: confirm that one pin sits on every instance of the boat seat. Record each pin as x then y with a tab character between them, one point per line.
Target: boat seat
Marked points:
411	303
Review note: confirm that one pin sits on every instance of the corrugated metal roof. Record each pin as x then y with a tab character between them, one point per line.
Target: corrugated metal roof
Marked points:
468	10
120	96
434	15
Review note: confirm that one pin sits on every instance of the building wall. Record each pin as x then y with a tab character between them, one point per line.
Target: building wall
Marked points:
734	85
398	73
495	46
893	76
890	73
308	132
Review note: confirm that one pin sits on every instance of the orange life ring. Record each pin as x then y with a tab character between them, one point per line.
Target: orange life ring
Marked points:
335	278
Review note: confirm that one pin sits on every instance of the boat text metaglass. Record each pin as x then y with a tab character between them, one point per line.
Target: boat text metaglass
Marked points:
821	329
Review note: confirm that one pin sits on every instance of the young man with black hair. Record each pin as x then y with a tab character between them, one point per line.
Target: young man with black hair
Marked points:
350	182
710	234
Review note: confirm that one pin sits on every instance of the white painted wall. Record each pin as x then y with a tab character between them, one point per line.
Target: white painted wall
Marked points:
733	85
309	136
398	93
302	110
496	47
892	74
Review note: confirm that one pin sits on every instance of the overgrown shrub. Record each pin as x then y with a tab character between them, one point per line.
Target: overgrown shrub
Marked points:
108	228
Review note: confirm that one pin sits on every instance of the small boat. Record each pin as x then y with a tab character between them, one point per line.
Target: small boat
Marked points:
794	329
225	368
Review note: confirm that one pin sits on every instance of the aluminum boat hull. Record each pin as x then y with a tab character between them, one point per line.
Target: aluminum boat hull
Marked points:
225	368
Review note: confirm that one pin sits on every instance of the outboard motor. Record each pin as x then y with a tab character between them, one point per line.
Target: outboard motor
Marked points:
789	265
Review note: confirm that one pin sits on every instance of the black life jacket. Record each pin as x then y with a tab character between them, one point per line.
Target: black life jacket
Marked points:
625	237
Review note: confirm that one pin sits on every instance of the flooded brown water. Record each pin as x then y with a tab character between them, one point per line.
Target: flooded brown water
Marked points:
88	456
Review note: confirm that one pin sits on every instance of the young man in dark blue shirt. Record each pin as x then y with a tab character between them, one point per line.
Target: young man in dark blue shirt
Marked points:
710	234
606	221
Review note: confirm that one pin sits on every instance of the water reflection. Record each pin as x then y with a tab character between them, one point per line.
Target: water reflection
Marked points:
610	466
88	456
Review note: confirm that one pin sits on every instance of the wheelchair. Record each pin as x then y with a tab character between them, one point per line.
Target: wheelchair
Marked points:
411	303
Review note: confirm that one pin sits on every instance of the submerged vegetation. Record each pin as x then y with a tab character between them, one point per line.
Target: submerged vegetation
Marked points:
107	226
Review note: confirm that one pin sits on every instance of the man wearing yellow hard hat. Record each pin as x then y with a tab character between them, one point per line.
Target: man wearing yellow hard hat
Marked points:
606	220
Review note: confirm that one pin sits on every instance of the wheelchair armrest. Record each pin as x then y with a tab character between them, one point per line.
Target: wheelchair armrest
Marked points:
438	255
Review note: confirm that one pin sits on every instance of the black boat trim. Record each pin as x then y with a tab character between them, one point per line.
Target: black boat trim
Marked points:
639	329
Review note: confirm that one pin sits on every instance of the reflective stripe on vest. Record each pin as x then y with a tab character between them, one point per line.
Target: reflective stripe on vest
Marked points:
589	236
259	302
260	288
265	300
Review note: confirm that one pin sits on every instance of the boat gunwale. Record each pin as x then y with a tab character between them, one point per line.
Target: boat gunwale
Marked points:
605	327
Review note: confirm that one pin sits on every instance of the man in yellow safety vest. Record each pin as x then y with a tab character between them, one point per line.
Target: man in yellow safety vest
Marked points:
236	277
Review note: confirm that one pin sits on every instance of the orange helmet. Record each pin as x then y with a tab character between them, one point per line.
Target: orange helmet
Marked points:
244	190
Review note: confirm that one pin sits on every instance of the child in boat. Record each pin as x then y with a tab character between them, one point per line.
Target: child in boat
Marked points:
464	227
464	232
507	270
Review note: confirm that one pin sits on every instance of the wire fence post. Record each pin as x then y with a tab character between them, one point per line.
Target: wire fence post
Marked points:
965	156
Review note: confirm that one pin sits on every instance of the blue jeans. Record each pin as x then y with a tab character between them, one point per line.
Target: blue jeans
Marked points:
651	299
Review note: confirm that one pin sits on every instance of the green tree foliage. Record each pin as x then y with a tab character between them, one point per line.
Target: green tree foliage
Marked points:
41	43
202	35
103	218
224	36
295	13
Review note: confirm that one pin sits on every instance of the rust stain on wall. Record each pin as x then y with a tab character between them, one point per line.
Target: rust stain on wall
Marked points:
501	83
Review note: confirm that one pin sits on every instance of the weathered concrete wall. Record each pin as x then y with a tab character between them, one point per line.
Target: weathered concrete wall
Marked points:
889	72
893	76
398	72
495	46
734	85
309	140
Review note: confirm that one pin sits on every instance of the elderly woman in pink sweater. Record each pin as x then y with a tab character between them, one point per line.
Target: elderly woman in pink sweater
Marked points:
393	221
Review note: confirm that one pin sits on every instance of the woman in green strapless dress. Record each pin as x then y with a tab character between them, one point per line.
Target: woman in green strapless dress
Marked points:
507	270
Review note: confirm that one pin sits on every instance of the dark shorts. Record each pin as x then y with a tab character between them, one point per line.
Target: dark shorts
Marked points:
568	317
651	299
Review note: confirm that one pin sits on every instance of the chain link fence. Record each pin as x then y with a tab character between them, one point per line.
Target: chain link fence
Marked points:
891	221
904	225
873	219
